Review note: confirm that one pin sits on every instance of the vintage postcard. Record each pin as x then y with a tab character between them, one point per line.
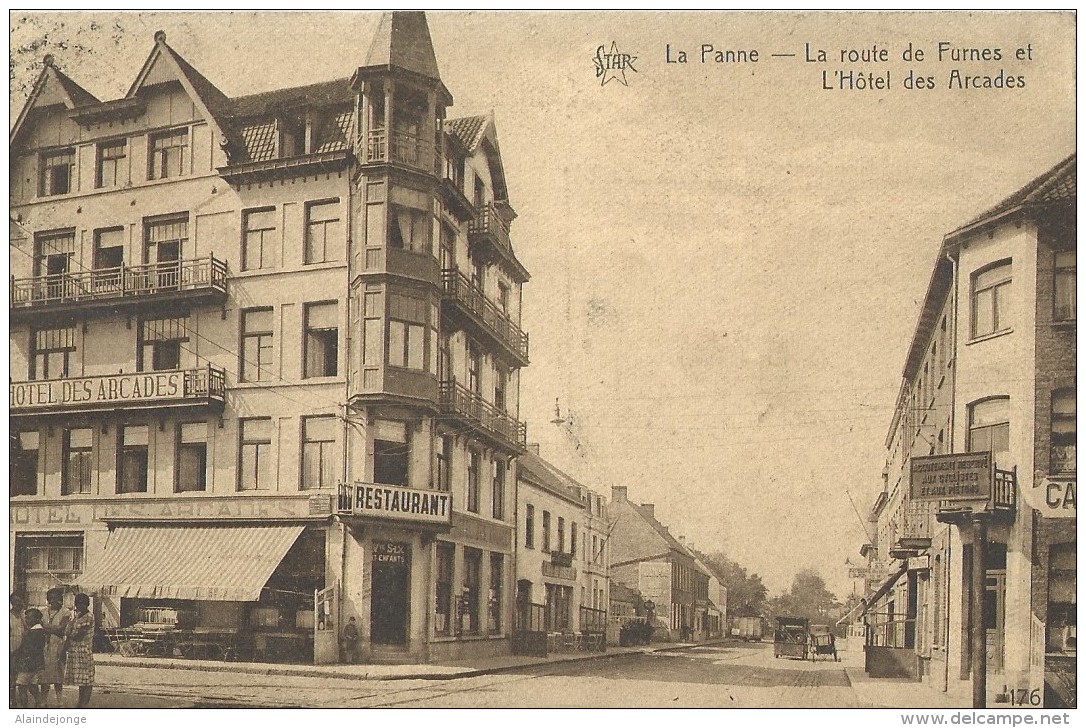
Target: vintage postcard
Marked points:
543	359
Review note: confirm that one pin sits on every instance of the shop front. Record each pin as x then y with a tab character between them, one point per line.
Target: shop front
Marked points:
217	578
422	582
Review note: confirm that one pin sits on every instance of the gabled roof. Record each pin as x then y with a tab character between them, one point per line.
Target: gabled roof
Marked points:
403	41
212	103
473	132
1054	186
68	92
468	130
541	473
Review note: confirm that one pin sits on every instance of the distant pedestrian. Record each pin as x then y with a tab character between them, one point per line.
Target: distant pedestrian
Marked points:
55	623
350	640
16	629
29	660
79	667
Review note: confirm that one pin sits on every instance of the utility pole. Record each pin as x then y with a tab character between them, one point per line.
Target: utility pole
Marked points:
979	658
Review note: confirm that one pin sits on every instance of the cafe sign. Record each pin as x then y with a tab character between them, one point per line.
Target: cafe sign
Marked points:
954	477
1053	496
396	503
114	390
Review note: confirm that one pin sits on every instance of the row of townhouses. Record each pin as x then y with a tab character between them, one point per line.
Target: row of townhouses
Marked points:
265	358
991	369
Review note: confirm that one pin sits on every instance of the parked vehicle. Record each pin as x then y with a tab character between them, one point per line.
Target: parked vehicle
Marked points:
823	641
791	637
749	628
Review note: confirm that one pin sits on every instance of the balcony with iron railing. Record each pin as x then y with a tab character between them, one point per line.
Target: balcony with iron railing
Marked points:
1000	506
195	280
501	428
467	302
198	387
488	225
402	148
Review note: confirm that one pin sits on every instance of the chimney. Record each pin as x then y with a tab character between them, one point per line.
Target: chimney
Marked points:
533	448
618	493
649	509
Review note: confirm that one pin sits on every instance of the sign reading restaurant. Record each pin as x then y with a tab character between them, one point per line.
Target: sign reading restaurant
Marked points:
394	502
955	477
91	391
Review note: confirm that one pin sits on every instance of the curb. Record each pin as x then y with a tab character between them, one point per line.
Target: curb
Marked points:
249	668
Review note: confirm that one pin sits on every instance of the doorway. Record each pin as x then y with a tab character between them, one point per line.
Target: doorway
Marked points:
995	590
390	600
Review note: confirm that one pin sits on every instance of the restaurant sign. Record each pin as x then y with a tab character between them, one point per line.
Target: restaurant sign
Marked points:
397	503
120	389
954	477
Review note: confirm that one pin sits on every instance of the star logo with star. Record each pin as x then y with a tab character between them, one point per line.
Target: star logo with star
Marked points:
611	65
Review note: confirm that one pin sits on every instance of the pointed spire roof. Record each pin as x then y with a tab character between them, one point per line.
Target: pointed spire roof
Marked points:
403	41
52	87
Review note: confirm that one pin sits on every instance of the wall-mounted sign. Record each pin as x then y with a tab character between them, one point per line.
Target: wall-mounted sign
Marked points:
114	390
955	477
1053	496
394	502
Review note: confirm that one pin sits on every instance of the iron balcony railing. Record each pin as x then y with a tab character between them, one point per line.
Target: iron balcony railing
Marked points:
460	289
109	284
488	223
1003	486
461	402
400	147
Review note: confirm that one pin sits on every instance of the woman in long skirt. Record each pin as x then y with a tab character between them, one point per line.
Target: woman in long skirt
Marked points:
55	623
79	668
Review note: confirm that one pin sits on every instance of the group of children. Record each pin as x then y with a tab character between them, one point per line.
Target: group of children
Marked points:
37	661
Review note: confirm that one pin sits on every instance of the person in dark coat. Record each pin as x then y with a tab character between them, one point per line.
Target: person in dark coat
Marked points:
29	659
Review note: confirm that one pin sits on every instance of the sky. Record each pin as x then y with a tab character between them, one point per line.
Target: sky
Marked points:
727	259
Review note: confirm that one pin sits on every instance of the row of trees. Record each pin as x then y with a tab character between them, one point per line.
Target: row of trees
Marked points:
748	596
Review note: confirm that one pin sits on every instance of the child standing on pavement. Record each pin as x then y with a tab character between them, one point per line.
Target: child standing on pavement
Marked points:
350	641
29	659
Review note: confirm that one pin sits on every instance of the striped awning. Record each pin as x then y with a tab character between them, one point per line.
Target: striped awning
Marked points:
213	563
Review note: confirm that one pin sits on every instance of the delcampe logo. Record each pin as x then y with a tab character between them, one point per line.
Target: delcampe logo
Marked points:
611	65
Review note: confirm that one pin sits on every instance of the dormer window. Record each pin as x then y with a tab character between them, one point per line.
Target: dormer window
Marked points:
169	154
57	173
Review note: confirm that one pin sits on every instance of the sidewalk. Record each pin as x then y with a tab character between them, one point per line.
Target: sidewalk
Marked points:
448	671
889	692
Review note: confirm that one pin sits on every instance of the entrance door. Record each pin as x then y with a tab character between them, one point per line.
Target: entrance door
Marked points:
390	600
995	591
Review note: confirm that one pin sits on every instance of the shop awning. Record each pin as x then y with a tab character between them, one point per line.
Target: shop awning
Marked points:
214	563
869	601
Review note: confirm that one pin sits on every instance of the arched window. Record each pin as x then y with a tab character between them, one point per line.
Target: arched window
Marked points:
989	425
991	299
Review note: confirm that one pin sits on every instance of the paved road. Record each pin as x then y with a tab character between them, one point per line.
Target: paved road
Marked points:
739	676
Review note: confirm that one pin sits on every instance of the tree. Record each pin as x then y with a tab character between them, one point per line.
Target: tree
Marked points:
808	598
746	592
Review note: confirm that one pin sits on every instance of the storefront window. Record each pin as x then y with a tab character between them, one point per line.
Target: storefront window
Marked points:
443	606
43	562
469	616
494	598
1062	622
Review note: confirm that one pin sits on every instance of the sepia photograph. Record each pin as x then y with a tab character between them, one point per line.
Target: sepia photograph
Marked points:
543	359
